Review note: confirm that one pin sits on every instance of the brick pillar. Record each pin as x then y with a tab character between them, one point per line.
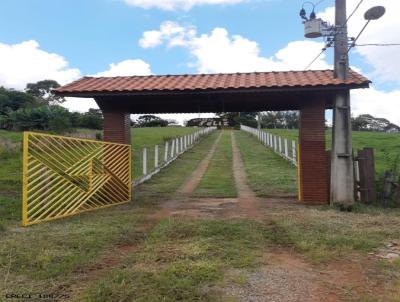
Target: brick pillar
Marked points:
116	127
313	158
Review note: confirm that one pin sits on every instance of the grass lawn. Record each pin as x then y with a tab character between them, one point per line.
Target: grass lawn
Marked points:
267	173
191	259
48	255
218	181
386	145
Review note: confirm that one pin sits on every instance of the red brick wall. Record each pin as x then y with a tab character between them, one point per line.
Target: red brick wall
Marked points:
116	127
314	177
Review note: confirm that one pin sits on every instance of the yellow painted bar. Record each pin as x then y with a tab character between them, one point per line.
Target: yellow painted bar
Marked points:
299	193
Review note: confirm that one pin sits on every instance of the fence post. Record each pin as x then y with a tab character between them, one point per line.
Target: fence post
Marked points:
166	152
280	145
144	161
286	148
275	143
185	140
366	166
177	146
294	152
155	156
172	148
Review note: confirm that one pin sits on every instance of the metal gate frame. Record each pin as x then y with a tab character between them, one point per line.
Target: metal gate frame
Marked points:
64	176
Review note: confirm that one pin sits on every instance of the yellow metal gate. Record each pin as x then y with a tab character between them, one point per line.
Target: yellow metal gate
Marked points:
63	176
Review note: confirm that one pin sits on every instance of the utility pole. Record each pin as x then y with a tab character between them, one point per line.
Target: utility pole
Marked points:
342	173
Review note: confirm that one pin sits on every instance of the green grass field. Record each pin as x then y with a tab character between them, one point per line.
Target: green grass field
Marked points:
386	145
267	173
189	258
218	180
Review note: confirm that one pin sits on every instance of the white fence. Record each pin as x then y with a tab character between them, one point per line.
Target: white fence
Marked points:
282	146
167	153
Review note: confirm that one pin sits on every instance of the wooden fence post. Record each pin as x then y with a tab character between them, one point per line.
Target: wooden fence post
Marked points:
366	167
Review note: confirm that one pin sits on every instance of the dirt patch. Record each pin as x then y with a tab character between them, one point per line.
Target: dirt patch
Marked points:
288	277
191	184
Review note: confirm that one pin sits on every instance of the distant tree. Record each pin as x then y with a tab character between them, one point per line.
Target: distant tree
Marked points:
42	90
11	100
149	120
280	119
51	118
93	119
367	122
244	118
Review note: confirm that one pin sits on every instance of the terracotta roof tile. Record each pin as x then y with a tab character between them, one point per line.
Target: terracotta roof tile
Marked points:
314	78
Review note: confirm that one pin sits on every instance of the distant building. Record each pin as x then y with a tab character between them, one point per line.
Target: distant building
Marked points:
211	122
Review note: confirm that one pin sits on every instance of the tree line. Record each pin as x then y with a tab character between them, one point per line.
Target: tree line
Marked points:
37	108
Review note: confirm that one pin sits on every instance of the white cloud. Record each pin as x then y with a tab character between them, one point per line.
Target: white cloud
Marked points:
26	63
384	30
220	52
177	4
377	103
126	68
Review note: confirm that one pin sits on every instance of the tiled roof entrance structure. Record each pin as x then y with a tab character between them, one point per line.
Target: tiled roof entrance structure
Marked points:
310	92
212	92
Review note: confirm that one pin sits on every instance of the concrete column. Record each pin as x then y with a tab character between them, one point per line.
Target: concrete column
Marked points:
342	173
116	127
313	158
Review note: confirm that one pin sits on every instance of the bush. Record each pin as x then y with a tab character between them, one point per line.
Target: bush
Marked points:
50	118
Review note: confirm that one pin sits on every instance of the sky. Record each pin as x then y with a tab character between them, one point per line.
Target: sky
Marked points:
67	39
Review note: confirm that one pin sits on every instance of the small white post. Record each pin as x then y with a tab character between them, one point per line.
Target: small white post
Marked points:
280	145
275	143
286	148
186	141
181	150
144	161
172	148
166	152
294	151
155	156
177	146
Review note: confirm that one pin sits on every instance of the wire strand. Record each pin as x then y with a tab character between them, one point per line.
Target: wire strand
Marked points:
354	11
316	58
378	44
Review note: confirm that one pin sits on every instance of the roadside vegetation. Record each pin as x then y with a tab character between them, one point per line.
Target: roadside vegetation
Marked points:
218	181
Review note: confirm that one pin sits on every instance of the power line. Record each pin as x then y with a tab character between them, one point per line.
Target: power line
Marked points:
316	58
354	11
378	44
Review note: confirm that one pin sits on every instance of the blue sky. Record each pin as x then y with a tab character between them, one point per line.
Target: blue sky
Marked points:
69	39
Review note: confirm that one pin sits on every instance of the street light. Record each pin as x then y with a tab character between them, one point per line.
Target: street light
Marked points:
374	13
